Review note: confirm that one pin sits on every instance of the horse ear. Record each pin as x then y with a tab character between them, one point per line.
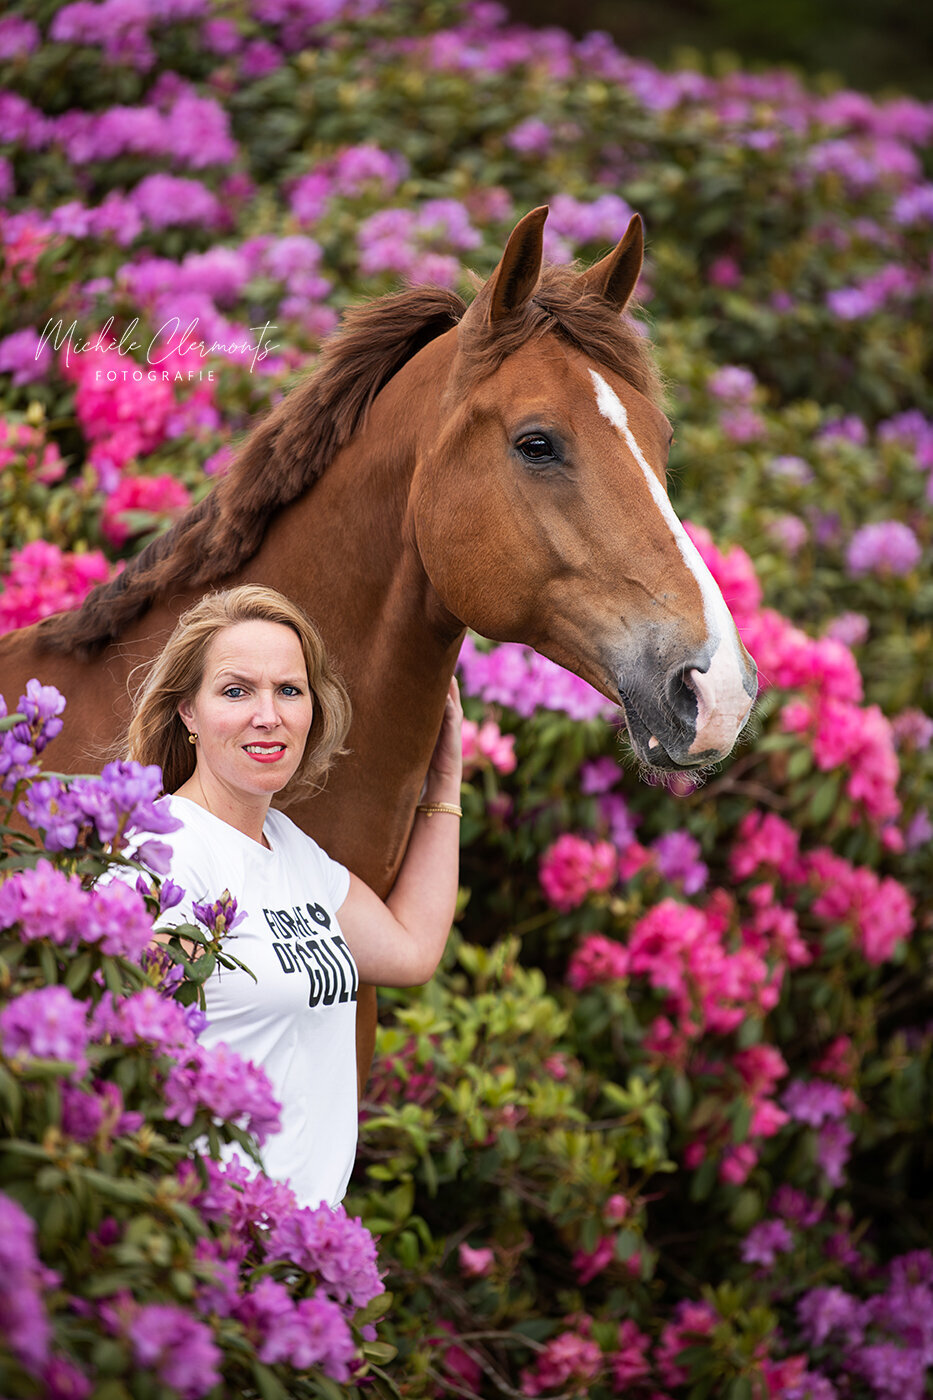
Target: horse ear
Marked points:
615	276
516	277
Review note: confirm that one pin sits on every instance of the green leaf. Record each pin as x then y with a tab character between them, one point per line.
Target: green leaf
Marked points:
201	968
329	1389
824	800
268	1383
376	1307
704	1180
380	1352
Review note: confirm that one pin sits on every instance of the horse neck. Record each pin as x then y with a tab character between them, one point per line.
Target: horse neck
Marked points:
348	554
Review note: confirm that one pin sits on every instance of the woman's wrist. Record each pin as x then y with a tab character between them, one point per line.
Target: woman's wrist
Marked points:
441	788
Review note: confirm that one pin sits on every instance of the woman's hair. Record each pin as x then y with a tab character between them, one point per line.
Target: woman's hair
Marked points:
157	733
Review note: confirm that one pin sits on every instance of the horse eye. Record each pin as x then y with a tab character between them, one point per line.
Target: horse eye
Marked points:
537	449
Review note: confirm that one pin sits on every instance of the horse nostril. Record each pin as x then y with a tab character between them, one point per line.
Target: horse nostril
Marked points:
682	696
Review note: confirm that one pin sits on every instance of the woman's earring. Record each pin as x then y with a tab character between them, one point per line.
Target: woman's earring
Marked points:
192	737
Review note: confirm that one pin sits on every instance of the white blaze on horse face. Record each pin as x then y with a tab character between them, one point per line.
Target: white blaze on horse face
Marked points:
722	700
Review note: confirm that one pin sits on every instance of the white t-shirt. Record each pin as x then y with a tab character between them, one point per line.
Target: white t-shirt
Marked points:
298	1019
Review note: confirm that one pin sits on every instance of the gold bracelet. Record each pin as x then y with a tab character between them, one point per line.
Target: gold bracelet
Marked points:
429	808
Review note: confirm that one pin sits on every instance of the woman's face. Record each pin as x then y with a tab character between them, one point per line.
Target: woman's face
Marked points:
253	710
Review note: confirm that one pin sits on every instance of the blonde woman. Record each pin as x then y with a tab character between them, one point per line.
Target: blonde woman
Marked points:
242	706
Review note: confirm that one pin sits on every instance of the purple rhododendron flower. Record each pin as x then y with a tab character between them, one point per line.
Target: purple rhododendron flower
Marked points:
599	775
833	1141
226	1086
85	1114
221	917
222	1292
46	903
793	469
814	1102
677	855
23	1321
919	830
178	1347
144	1018
170	895
894	1371
333	1245
733	384
850	628
18	36
884	547
49	807
47	1023
825	1310
42	706
516	676
25	356
766	1241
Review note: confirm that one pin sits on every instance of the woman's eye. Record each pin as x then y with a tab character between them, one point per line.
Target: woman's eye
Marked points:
290	690
233	692
537	449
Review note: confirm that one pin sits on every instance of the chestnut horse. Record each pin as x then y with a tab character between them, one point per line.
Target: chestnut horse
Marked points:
499	467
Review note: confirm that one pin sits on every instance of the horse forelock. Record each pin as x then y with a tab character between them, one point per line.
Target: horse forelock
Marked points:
564	306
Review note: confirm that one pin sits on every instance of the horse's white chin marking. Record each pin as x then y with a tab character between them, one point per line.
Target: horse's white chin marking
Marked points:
722	701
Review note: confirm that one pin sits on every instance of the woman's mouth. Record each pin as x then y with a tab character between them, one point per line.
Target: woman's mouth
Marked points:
264	753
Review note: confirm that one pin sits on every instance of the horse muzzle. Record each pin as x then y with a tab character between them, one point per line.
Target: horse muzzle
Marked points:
694	717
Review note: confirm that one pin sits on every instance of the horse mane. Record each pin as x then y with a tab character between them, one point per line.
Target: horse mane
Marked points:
289	449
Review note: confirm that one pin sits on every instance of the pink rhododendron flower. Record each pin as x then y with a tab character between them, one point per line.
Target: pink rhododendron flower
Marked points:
761	1066
457	1363
670	1044
634	857
737	1163
691	1322
596	959
118	401
879	911
616	1209
681	951
574	867
20	440
484	744
630	1363
568	1362
857	738
44	580
475	1263
589	1263
153	495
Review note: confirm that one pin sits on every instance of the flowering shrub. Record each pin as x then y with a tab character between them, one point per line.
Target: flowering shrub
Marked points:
130	1253
656	1129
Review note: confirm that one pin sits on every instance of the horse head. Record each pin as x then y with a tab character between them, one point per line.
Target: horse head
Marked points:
541	512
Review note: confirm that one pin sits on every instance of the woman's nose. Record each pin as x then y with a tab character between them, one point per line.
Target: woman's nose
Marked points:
265	712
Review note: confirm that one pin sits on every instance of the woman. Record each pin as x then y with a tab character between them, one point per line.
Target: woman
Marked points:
240	707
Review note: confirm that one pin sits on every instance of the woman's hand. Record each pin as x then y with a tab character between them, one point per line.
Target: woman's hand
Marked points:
399	943
446	767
